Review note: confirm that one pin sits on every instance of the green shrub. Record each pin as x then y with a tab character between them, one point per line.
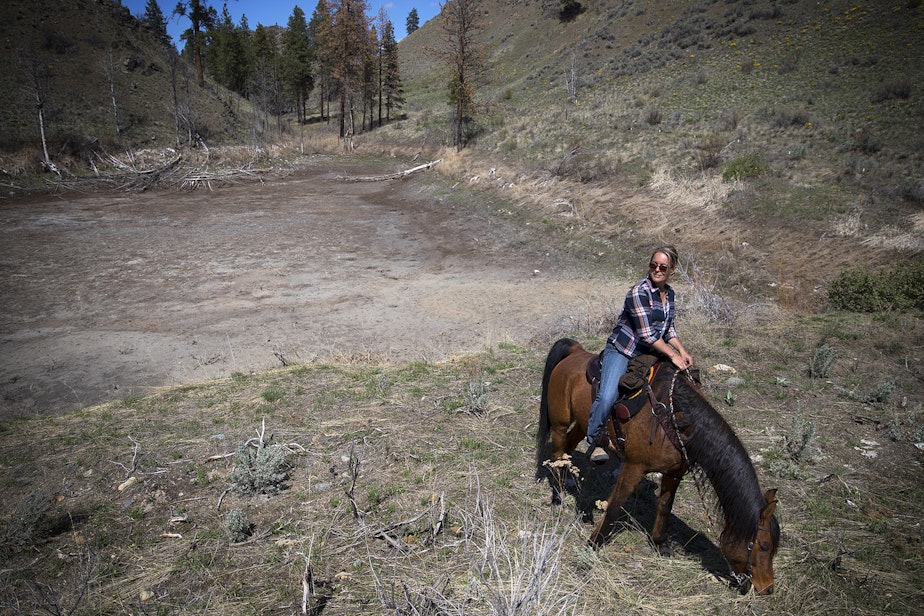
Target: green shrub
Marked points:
743	167
861	290
273	394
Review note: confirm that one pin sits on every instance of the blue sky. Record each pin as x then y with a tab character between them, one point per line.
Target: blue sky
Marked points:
277	12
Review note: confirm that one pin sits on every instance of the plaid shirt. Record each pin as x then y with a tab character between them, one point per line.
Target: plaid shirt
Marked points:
644	319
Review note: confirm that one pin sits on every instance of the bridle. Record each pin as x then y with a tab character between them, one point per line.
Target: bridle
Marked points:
742	578
745	577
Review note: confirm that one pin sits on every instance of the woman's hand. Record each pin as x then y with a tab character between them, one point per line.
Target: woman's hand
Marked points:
675	352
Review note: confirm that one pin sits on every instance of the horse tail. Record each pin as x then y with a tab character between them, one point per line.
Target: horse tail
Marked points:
560	350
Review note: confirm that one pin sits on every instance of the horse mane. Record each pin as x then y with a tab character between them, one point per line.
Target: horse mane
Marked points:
713	445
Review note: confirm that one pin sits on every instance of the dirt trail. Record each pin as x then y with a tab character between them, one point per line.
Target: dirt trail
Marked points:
107	295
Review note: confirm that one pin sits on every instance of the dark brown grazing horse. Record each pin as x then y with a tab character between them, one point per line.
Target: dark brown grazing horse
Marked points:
751	535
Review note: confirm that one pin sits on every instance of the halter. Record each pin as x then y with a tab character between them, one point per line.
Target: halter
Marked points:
697	472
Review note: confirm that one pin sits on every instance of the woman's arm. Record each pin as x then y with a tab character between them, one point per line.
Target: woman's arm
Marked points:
675	351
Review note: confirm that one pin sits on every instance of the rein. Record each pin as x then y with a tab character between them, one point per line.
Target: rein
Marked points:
699	479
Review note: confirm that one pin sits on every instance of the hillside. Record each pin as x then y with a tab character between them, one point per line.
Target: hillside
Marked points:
84	55
809	104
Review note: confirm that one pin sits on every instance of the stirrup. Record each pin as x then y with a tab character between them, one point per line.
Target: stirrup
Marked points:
599	456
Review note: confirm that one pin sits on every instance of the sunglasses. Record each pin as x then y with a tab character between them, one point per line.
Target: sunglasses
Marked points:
658	267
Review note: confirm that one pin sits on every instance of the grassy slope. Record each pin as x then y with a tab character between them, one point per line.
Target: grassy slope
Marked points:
793	84
852	541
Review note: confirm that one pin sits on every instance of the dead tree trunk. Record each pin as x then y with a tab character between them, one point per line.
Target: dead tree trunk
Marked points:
36	75
110	75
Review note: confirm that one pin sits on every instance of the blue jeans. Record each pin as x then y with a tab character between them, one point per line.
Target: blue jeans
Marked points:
614	366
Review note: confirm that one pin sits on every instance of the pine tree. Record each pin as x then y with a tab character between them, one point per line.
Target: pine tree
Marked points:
391	88
202	18
296	61
371	76
320	36
154	20
265	77
350	40
413	21
229	54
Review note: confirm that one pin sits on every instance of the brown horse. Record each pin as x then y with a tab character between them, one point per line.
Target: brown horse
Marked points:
751	535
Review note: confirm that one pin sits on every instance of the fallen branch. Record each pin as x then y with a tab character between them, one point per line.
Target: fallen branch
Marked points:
308	581
388	538
438	526
219	456
390	176
129	471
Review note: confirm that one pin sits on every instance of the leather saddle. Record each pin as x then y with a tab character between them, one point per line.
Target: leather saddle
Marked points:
637	379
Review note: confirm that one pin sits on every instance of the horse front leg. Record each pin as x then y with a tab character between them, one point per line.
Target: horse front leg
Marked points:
669	484
629	476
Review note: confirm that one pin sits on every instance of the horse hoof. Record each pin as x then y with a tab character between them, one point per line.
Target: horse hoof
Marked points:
665	550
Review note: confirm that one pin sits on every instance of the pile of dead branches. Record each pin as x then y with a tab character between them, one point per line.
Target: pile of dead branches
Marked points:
178	172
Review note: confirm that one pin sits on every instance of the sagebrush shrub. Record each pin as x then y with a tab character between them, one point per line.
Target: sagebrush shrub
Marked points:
238	526
900	89
477	398
787	117
799	439
882	393
822	359
261	470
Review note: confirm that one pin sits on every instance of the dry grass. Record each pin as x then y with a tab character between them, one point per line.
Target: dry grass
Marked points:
401	500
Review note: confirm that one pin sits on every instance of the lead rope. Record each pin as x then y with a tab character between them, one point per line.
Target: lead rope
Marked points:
699	479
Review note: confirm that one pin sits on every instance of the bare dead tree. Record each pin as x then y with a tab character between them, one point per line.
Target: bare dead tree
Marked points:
571	80
36	77
110	77
462	56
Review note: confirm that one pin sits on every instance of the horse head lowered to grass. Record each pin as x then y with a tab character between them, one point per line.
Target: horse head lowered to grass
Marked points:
679	431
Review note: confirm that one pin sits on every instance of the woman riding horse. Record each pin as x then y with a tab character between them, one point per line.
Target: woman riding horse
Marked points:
646	325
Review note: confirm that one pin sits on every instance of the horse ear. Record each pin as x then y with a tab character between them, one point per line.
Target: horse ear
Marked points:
770	497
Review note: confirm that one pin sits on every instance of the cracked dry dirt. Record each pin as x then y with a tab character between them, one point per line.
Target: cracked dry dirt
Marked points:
108	295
